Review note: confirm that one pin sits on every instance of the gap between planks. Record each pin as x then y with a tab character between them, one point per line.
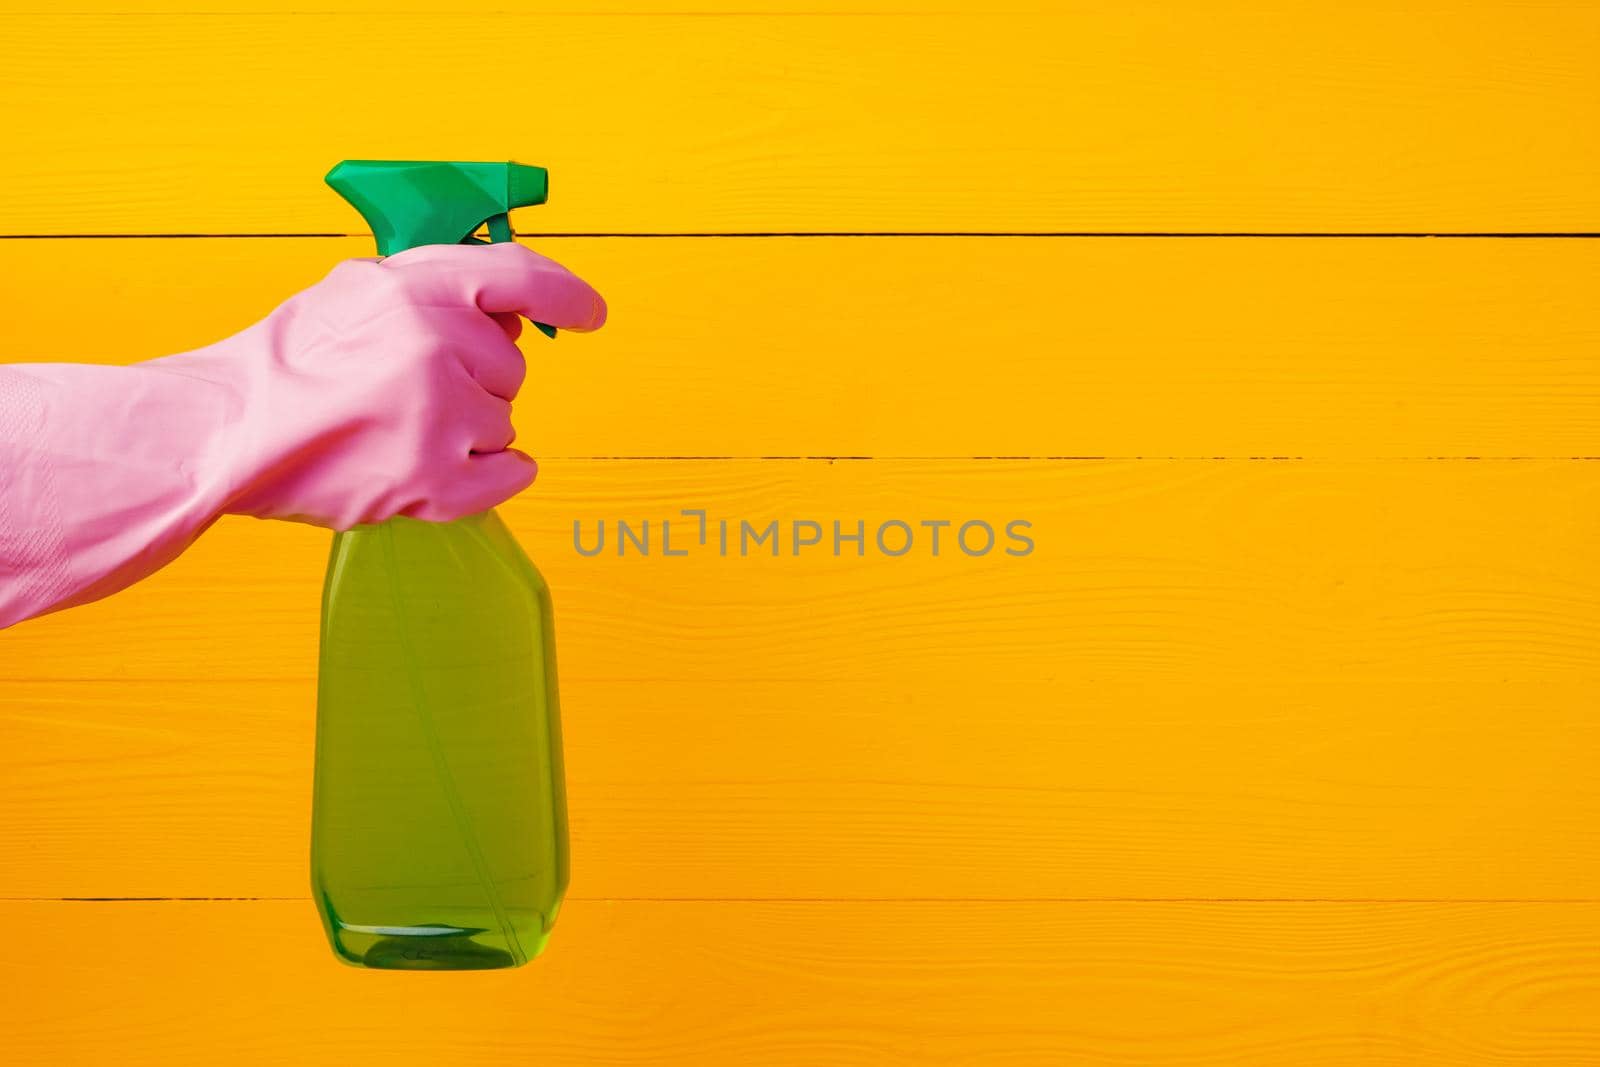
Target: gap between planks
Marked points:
875	900
1161	234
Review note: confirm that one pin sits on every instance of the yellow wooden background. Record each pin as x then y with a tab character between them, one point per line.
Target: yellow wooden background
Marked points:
1279	749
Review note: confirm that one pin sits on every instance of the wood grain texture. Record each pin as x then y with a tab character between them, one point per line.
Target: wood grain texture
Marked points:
1250	762
1229	116
1320	571
895	789
1248	679
957	346
1314	985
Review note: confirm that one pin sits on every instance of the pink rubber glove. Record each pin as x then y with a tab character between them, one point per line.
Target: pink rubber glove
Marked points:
382	390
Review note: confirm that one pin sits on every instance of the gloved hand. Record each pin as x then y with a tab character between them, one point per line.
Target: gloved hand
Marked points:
383	390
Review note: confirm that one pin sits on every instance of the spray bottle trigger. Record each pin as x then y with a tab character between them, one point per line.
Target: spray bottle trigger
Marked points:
500	231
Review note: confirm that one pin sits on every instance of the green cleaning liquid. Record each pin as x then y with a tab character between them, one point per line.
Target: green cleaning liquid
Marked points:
439	824
439	829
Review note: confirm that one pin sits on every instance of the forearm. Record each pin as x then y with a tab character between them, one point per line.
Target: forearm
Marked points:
106	475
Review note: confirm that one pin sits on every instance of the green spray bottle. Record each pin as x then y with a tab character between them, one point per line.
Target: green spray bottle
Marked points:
439	830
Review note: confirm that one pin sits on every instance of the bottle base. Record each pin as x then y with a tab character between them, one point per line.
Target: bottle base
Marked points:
427	948
435	954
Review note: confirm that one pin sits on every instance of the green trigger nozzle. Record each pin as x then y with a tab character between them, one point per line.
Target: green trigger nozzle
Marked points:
408	203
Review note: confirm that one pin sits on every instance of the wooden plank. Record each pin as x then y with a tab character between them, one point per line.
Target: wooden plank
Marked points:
1069	789
1209	679
1225	115
800	984
1239	569
958	347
